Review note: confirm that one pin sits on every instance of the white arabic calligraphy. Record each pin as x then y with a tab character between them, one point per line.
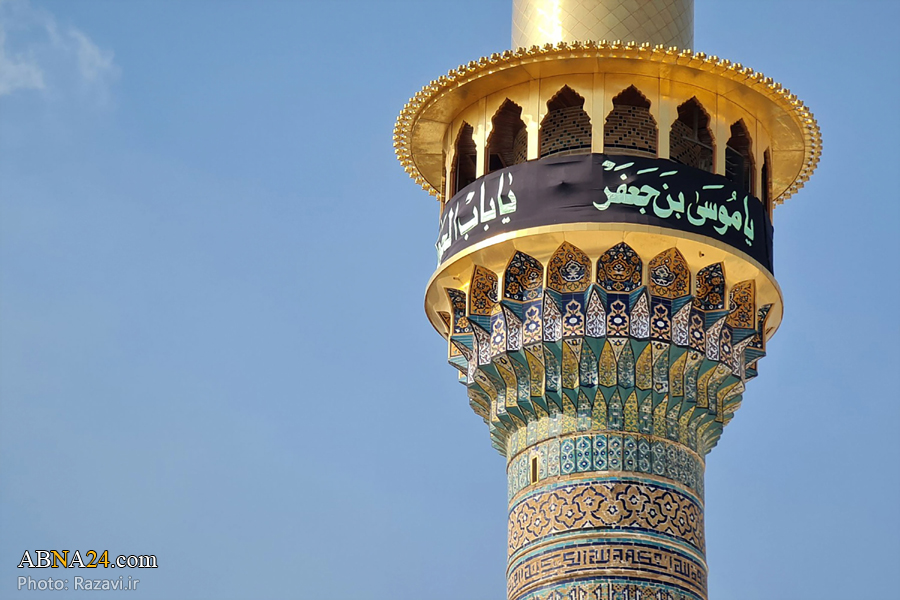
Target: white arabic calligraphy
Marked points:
487	209
644	196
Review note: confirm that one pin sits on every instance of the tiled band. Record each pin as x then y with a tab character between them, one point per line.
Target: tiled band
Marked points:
605	451
621	504
608	589
652	563
622	527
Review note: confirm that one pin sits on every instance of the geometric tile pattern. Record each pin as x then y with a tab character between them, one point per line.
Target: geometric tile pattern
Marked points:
607	534
710	288
569	270
538	351
624	505
669	275
619	269
607	451
484	291
523	278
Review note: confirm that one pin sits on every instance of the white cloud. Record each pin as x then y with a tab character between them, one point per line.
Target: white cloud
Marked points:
93	63
18	72
37	54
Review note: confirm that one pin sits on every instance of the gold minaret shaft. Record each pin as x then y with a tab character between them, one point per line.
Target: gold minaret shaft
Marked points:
665	22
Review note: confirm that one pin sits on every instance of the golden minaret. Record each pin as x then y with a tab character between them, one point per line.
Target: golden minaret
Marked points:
604	277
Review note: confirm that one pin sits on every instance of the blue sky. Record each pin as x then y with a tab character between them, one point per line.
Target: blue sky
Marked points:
212	344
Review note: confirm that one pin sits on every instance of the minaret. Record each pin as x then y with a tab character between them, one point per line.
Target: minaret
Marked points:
604	277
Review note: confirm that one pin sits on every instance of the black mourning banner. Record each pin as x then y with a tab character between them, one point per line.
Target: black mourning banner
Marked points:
599	188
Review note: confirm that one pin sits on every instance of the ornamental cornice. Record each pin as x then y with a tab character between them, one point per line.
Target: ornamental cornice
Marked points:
711	64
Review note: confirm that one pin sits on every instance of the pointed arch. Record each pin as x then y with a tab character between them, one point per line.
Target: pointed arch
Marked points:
740	167
619	269
499	331
670	276
626	367
659	430
513	333
691	142
631	413
607	368
552	322
595	321
598	423
587	367
465	153
640	318
508	142
567	127
681	326
523	278
643	370
616	415
569	269
659	356
630	128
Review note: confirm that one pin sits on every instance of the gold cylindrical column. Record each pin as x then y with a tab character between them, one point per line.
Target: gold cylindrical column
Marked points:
666	22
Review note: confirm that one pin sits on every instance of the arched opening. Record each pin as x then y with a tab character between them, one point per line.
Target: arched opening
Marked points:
566	129
739	167
463	171
630	128
766	176
508	143
690	140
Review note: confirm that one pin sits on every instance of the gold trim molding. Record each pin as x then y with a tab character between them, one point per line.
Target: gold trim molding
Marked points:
594	239
422	124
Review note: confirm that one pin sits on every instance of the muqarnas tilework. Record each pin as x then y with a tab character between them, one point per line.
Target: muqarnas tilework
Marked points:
573	345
